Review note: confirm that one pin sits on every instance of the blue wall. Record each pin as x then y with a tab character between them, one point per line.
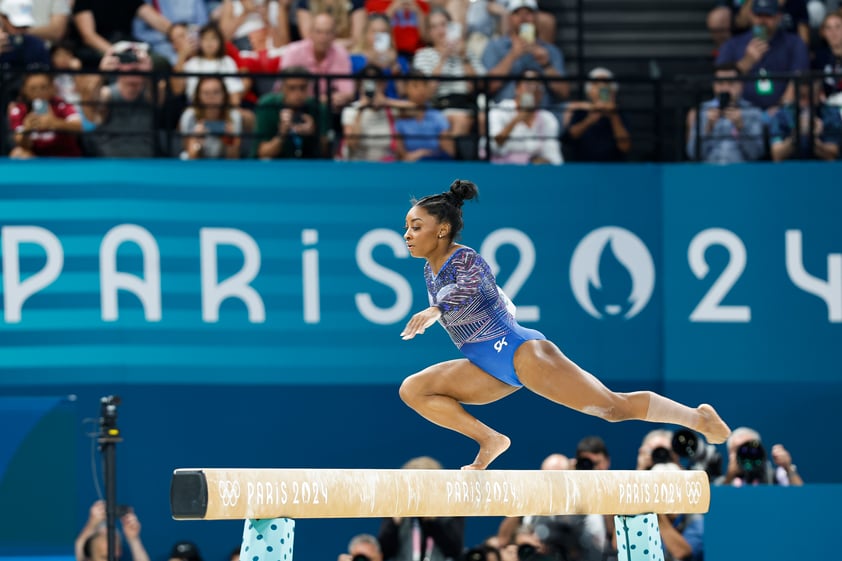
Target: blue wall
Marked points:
636	271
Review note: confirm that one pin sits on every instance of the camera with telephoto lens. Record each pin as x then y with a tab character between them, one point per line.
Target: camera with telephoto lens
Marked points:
584	463
661	455
697	452
526	551
751	457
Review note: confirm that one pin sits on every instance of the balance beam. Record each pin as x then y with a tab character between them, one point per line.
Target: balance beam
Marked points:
224	494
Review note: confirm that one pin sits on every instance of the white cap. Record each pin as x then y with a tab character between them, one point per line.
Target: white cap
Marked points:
18	12
515	5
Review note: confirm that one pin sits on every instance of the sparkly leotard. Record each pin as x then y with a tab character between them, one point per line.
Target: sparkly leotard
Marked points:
477	315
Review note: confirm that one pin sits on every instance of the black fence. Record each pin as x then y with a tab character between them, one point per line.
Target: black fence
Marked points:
654	108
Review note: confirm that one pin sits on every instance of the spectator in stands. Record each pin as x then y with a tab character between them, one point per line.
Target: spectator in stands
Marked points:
62	58
368	124
256	25
190	14
807	129
521	50
595	130
682	535
763	50
364	545
350	17
19	48
125	109
102	23
730	128
447	57
749	464
377	47
211	59
735	17
828	59
51	17
409	22
292	124
43	123
212	126
322	55
520	131
423	132
92	542
430	539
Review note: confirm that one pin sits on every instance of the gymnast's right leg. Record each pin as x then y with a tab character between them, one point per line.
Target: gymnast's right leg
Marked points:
437	393
545	370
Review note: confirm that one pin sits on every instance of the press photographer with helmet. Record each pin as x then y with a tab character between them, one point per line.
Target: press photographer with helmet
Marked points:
749	463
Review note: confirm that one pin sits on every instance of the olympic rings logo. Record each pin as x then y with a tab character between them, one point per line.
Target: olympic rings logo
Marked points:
693	489
229	492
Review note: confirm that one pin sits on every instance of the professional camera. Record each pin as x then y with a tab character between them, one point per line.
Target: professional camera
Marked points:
108	412
479	553
661	455
751	457
360	557
697	452
584	463
526	551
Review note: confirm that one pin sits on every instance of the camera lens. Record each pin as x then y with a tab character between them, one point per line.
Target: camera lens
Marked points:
526	551
685	443
360	557
751	457
661	455
584	463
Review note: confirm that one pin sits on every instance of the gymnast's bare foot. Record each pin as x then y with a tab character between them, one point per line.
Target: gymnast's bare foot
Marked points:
489	450
712	426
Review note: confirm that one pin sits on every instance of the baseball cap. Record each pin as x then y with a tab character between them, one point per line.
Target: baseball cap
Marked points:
515	5
765	7
18	12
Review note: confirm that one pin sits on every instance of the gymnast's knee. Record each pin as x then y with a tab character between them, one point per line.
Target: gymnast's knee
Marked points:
410	389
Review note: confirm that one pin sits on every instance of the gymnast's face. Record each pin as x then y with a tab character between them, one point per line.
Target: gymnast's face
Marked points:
424	233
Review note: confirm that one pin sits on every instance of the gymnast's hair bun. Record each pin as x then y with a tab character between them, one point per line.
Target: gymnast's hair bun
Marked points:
462	190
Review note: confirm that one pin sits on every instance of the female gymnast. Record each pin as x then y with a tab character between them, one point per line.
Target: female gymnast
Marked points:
500	355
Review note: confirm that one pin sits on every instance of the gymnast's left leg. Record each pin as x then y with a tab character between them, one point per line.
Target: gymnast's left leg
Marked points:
545	370
438	392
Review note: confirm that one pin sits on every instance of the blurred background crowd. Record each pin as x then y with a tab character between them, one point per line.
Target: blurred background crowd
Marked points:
505	81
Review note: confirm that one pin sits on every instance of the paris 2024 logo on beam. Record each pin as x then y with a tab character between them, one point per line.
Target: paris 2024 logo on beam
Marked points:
612	273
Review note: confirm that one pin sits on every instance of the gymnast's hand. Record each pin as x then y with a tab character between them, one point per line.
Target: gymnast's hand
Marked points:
420	322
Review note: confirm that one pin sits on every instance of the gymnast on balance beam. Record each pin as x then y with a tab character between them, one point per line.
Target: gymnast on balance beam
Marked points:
500	355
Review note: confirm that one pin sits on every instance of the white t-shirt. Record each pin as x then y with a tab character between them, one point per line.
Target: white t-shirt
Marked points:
525	142
225	65
375	144
428	58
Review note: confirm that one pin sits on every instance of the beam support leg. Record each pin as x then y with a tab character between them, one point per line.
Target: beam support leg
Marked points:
268	539
638	538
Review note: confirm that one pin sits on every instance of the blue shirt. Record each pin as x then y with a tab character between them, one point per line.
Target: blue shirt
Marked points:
424	133
25	51
498	48
787	54
359	61
725	144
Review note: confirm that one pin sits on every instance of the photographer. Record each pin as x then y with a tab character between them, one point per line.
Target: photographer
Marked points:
748	463
362	547
730	127
368	124
292	124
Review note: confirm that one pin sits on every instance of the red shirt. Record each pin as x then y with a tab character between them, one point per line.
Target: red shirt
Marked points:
48	143
405	25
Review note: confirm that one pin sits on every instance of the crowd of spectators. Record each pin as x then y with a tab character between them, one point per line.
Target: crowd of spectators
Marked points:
387	80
